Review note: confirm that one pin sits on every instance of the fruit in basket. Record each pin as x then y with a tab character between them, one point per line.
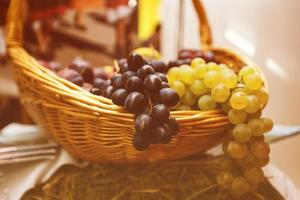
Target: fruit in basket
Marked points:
119	96
253	81
236	116
268	124
168	97
160	112
134	83
242	133
127	75
220	93
99	72
72	76
158	66
238	100
140	143
152	83
135	61
145	71
116	81
83	68
206	102
144	124
135	102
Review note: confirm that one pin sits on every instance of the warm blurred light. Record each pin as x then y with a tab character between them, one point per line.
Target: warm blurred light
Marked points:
132	3
240	42
276	68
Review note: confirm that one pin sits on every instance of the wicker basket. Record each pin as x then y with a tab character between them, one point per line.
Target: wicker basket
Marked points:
91	127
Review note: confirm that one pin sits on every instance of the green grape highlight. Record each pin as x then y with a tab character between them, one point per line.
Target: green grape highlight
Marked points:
197	62
187	74
242	133
239	100
268	124
211	79
245	71
188	98
257	127
237	150
253	104
198	88
220	93
179	87
253	81
237	116
206	102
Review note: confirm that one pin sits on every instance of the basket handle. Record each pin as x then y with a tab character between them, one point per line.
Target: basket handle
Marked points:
14	25
204	25
15	22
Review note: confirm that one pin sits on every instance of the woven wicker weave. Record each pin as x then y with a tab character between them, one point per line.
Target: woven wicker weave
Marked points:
91	127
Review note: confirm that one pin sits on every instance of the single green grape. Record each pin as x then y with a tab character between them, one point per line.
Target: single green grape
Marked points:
200	71
237	150
237	116
268	124
242	133
198	88
188	98
220	93
206	102
253	81
253	104
254	175
260	149
239	100
245	71
213	66
262	96
239	186
257	127
174	74
225	179
224	67
179	87
187	74
229	79
211	79
196	62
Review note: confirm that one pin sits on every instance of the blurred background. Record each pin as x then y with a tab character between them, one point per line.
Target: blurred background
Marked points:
102	30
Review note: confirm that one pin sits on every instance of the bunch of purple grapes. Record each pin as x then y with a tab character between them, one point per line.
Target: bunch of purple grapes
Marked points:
142	88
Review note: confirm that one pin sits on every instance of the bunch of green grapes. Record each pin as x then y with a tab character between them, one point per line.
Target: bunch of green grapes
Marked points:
242	96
